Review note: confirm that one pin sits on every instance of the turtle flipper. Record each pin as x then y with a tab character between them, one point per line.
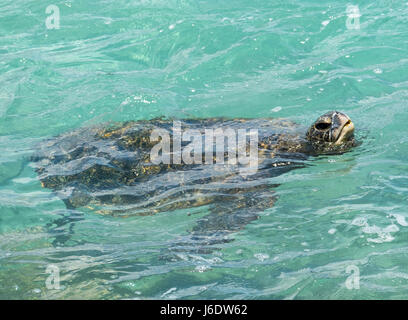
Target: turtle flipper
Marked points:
62	228
231	216
225	218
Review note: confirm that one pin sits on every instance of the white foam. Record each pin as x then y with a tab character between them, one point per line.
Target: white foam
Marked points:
400	220
332	231
261	256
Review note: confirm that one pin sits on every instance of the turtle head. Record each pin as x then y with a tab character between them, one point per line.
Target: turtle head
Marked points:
332	132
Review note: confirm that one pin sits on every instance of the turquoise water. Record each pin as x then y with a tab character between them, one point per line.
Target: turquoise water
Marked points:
122	60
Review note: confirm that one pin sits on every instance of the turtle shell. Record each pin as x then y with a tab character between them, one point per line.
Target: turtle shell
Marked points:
108	168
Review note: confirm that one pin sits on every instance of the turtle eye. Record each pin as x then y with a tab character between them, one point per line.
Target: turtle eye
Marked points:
322	126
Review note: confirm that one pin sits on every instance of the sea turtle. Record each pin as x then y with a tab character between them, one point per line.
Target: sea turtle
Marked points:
108	169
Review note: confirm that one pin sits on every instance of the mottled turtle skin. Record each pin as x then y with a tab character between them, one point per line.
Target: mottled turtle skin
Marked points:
107	169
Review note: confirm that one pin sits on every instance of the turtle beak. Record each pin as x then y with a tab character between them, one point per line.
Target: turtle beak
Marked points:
344	128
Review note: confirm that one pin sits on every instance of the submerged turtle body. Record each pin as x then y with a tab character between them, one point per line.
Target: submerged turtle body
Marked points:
109	169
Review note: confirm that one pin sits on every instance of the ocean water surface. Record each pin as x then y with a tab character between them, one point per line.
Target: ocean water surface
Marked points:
339	229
